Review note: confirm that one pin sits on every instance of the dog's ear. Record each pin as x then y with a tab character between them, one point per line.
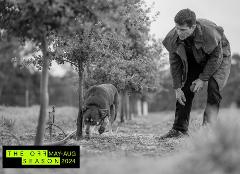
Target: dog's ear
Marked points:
84	108
103	112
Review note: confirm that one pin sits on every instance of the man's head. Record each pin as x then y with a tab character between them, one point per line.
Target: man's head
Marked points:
185	21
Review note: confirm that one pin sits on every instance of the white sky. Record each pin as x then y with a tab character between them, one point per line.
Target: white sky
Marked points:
225	13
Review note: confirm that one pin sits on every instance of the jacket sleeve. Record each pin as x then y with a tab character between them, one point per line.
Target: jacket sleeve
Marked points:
214	61
176	68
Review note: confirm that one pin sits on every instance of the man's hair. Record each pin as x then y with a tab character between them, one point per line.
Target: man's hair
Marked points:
185	16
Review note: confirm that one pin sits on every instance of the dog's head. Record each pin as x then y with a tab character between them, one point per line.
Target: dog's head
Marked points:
93	115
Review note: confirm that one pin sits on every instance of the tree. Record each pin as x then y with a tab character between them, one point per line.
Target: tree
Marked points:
133	66
231	91
9	48
81	47
98	33
75	50
35	20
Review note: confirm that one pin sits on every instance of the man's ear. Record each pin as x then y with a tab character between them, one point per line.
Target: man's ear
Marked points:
103	112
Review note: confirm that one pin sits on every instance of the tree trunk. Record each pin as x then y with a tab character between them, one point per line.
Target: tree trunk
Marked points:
133	105
79	132
1	88
139	107
44	99
26	98
127	107
145	108
122	108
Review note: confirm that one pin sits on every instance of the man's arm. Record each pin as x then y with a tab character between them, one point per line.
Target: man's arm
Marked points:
176	69
213	63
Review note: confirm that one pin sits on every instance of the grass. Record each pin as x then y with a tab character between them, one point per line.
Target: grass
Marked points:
25	120
134	149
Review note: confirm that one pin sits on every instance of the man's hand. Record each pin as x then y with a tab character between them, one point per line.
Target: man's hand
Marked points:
180	96
198	85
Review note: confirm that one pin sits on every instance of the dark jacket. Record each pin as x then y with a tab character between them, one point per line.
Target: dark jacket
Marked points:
211	50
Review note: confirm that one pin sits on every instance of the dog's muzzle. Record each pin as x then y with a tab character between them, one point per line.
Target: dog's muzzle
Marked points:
91	122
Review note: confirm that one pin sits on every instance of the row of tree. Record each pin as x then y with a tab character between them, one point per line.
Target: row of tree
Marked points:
20	87
108	41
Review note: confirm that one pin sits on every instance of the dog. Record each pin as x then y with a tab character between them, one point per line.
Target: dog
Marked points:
100	107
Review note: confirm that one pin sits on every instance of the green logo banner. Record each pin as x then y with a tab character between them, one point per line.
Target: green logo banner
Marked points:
41	156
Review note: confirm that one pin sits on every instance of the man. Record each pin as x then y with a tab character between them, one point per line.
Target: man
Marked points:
198	53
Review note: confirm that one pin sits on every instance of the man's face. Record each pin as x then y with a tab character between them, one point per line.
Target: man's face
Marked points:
184	31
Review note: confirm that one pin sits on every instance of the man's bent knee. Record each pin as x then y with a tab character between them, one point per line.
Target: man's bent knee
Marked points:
214	96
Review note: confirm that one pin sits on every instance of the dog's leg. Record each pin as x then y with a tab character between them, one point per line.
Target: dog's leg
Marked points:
112	118
106	124
112	113
93	129
102	127
116	104
110	128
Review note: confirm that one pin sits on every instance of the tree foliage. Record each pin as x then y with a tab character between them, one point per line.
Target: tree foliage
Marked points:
35	20
129	56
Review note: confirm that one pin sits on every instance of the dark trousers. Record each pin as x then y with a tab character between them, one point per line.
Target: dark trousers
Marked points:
182	113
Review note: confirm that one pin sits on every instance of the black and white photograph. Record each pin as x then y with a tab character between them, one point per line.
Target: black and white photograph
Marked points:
119	86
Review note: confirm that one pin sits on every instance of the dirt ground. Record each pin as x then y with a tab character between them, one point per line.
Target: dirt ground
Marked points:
133	146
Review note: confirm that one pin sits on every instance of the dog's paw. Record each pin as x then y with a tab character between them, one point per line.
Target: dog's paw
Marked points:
111	133
87	137
101	130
